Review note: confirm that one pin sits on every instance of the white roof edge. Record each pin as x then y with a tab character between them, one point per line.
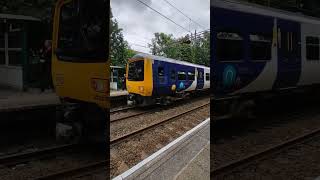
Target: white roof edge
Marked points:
116	67
263	10
18	17
171	60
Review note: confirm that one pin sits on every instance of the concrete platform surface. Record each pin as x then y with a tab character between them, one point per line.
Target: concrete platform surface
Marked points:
118	93
10	99
185	157
13	100
198	168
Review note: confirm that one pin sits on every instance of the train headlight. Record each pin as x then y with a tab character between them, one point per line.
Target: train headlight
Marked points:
141	88
173	87
100	85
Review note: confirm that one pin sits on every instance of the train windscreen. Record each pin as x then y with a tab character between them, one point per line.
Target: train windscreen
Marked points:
136	71
82	32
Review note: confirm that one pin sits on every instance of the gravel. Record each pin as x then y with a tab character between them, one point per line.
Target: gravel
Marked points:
129	153
233	140
120	128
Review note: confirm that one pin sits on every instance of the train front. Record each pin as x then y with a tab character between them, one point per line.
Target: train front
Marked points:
139	81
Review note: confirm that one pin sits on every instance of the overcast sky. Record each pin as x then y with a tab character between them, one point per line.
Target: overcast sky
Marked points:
139	23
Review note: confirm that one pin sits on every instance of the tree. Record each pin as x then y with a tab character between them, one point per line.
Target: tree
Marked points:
120	51
194	50
37	8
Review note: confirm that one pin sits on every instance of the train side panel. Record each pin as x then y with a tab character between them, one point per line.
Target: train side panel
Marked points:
237	67
310	64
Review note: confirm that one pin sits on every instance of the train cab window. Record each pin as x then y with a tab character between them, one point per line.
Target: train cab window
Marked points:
136	71
80	30
191	76
207	77
312	48
182	76
173	75
161	74
260	46
229	46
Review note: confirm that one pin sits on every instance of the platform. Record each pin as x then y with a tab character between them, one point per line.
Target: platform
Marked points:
11	100
187	157
118	93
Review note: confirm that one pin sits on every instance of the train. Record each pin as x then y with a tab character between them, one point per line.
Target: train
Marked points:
153	79
259	51
80	69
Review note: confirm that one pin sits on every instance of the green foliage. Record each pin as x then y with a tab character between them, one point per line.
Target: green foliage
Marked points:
194	50
37	8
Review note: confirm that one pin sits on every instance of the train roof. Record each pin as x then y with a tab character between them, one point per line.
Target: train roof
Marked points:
264	11
160	58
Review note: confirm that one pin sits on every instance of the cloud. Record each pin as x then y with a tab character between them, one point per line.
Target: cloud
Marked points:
139	23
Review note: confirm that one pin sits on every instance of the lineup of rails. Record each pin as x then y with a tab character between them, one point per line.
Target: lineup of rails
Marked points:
137	132
91	168
274	148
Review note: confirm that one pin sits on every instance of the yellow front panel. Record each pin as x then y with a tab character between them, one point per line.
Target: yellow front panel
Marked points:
145	87
73	79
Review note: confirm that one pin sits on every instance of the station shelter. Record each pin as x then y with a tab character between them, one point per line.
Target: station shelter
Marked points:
117	73
20	38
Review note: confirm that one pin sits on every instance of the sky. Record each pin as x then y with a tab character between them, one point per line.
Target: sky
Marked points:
139	23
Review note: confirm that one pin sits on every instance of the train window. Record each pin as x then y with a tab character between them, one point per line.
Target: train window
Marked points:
229	46
200	75
312	48
182	76
191	76
136	71
161	74
173	75
260	46
207	77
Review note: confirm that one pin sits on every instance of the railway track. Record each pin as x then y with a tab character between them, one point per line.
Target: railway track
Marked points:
132	145
264	154
139	131
117	110
87	169
142	112
24	157
134	115
51	152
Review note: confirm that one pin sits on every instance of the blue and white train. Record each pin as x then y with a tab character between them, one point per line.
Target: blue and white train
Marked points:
154	79
258	50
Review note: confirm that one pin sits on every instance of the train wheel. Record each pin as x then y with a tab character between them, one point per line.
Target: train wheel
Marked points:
68	127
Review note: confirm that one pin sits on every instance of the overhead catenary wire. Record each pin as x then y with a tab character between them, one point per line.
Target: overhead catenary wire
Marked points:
135	44
184	14
163	15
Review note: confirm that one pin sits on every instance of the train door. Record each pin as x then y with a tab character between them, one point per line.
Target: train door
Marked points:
173	79
289	57
161	80
200	78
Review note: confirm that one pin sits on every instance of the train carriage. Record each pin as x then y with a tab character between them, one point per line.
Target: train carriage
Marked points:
81	69
153	79
259	50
